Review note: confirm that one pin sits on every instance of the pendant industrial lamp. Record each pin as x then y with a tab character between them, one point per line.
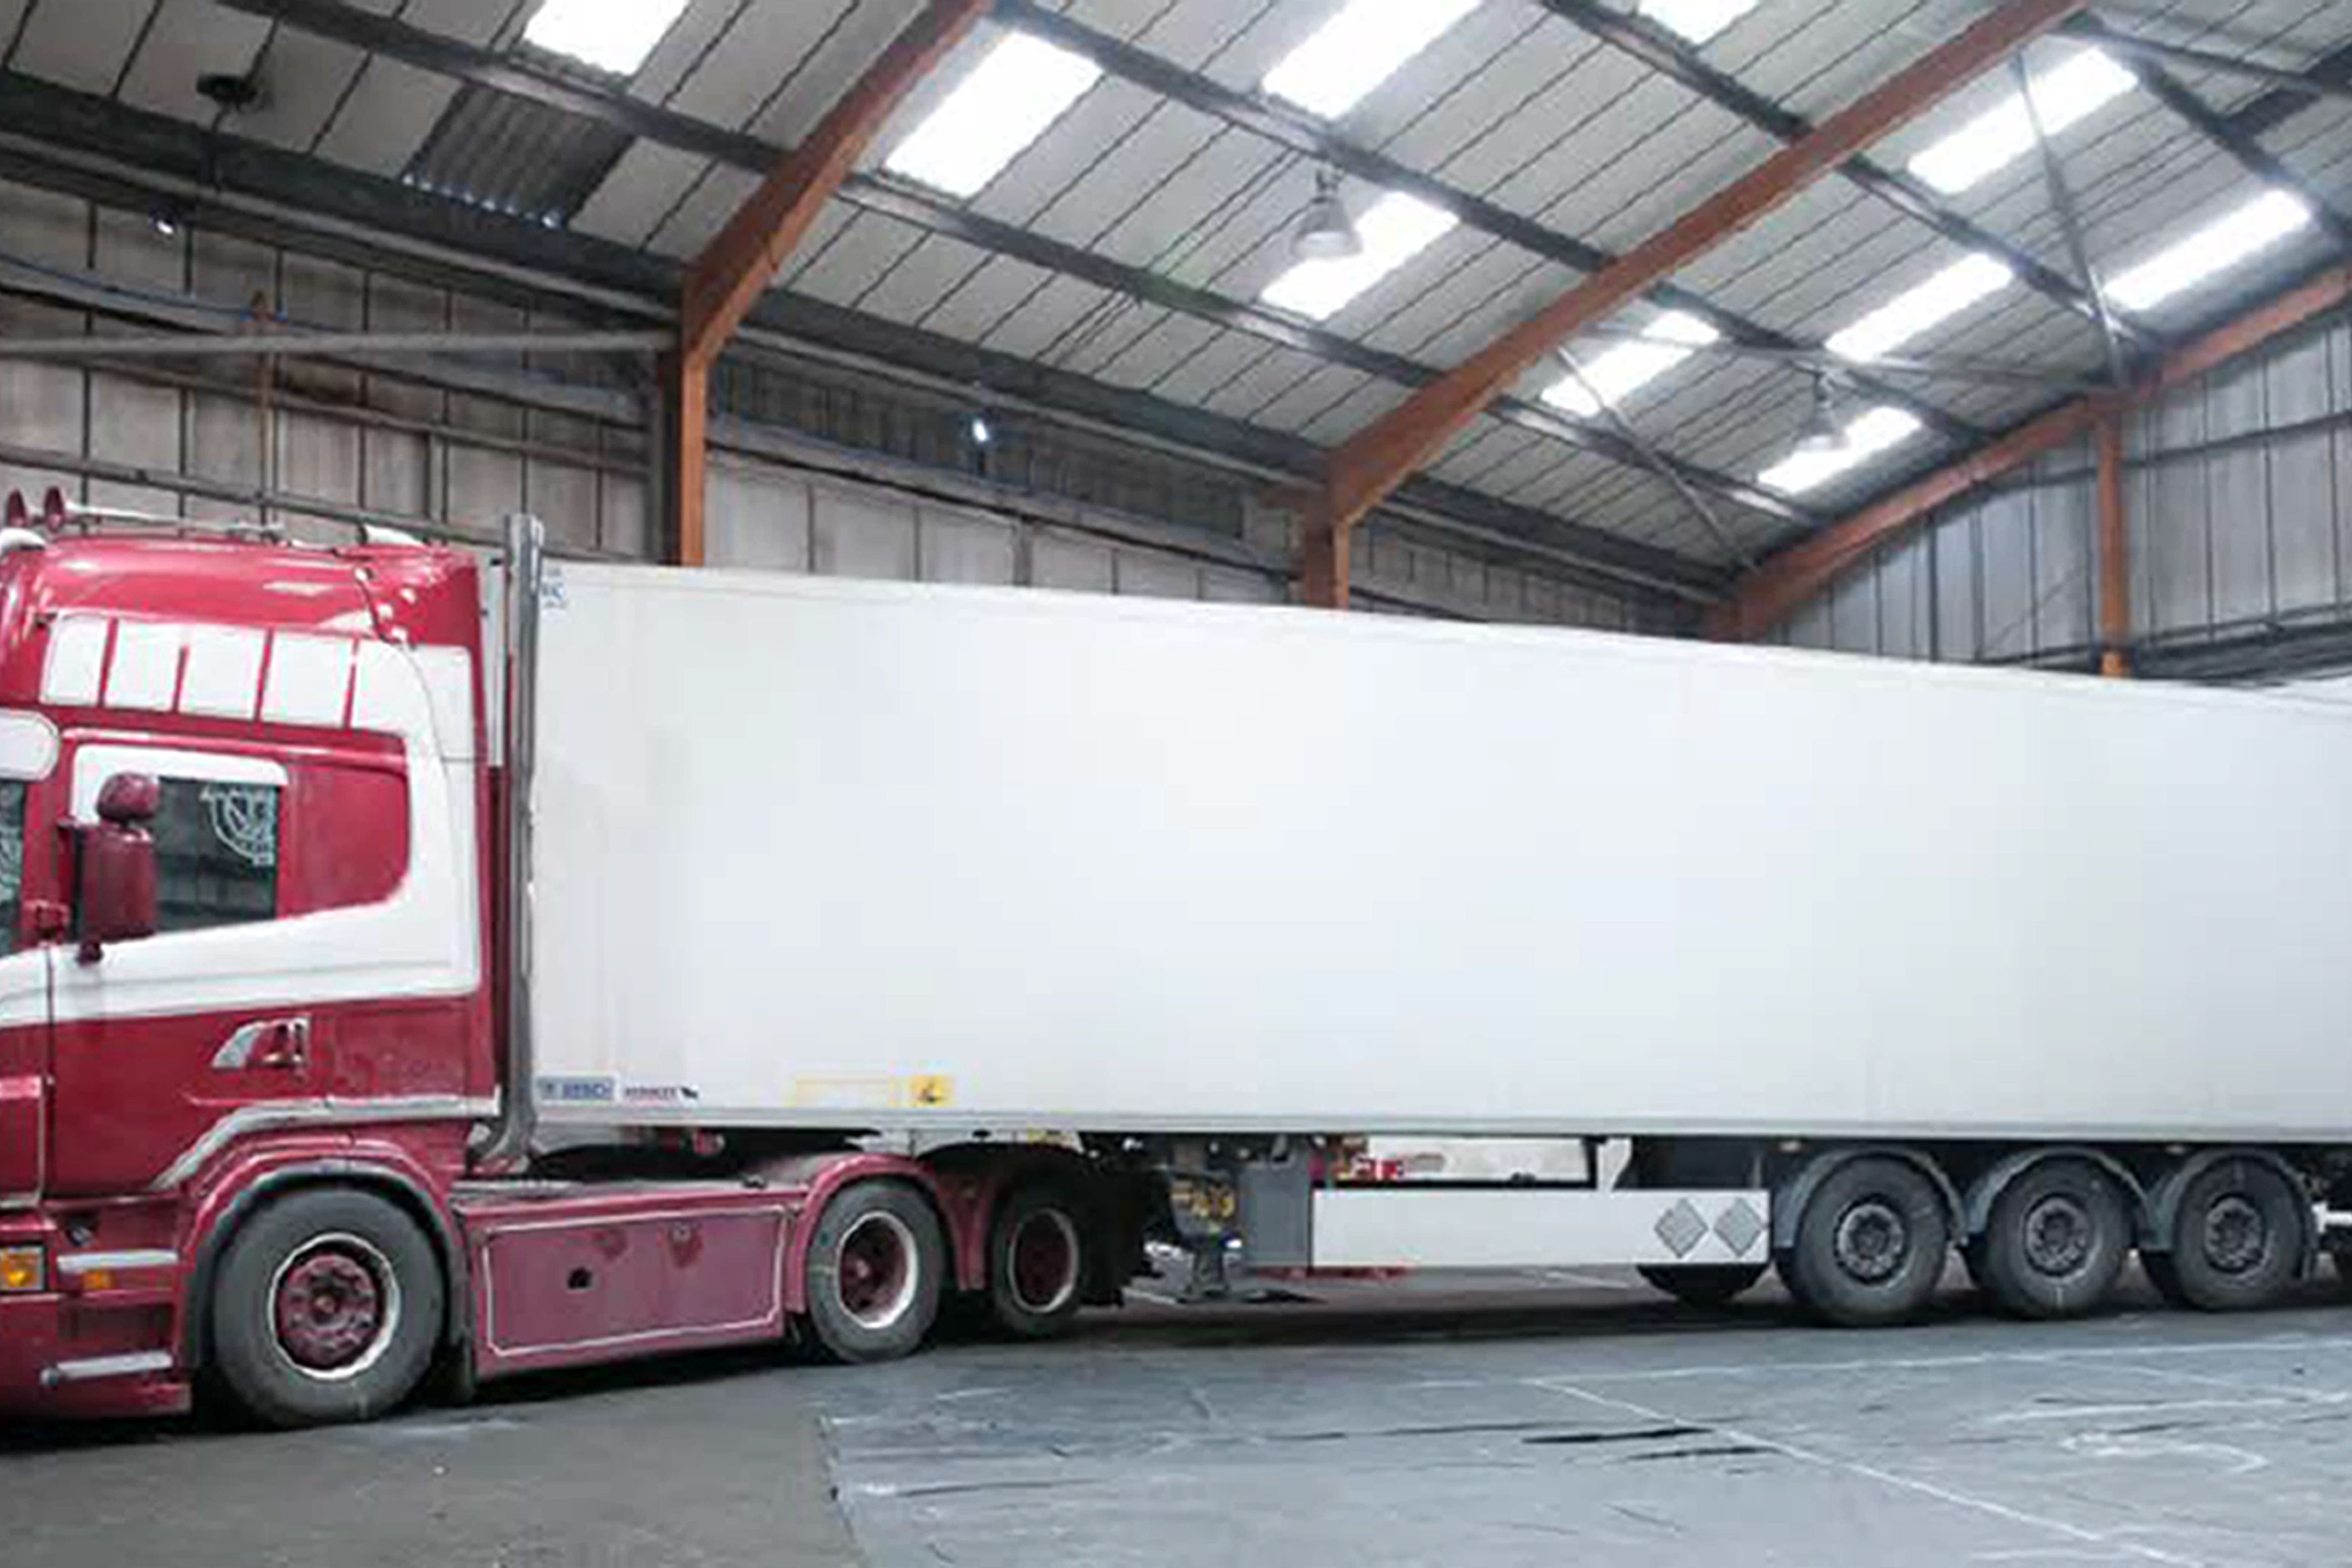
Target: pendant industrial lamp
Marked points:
1326	233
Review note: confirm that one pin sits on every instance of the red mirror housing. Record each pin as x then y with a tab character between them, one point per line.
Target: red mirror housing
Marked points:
118	902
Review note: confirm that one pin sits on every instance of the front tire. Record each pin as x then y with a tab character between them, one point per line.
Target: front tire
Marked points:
875	1265
1871	1244
327	1307
2055	1241
1702	1284
2238	1236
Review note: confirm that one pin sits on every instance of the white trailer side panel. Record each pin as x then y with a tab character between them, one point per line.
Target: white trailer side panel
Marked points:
876	854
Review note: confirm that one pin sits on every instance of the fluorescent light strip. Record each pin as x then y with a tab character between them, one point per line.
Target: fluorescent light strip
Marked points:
1918	309
1358	49
1397	228
2063	95
1865	437
1697	20
2220	245
611	34
1617	372
1020	87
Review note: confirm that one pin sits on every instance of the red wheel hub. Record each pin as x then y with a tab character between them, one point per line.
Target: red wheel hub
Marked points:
329	1310
1045	1261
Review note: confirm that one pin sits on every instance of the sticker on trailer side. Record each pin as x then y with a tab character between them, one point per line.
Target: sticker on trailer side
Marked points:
576	1091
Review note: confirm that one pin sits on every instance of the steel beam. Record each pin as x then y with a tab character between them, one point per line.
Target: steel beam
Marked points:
2305	84
923	209
124	156
1669	54
2069	221
2220	129
2274	108
1370	464
328	345
1312	138
1796	574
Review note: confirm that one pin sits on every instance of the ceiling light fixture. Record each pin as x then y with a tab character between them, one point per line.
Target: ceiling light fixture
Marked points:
1863	438
613	36
2220	245
2063	95
1697	20
1358	49
1617	372
1820	432
1396	229
1326	233
1004	103
1921	307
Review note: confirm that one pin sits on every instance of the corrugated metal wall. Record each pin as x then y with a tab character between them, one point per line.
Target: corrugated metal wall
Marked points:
2239	493
429	445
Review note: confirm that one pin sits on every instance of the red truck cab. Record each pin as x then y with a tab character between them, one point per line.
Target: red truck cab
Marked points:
314	992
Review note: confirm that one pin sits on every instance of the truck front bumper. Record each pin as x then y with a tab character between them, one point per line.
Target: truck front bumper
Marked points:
61	1357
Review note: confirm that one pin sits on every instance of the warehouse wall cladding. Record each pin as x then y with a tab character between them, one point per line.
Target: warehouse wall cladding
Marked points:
1015	781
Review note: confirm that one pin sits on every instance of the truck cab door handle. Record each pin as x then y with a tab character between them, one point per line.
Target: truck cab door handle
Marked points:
277	1044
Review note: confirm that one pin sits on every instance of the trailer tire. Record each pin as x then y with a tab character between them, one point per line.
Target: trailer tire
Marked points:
2238	1236
1871	1244
2056	1238
1702	1284
1037	1262
327	1308
2165	1278
875	1263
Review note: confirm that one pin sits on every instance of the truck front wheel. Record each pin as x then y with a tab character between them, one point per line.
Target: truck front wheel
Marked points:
1037	1262
875	1266
328	1308
1870	1245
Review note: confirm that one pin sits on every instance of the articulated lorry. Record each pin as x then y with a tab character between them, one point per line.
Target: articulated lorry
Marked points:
417	965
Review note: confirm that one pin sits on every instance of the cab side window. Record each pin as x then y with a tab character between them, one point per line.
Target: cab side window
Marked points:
217	855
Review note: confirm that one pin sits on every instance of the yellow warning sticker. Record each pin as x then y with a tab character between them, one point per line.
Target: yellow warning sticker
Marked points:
928	1089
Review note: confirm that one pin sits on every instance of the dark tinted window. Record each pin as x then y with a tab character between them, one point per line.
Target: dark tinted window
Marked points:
12	861
215	853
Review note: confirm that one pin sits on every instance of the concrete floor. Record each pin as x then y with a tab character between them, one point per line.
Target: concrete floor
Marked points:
1564	1414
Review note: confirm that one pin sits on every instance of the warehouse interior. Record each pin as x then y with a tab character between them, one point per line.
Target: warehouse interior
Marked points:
2001	332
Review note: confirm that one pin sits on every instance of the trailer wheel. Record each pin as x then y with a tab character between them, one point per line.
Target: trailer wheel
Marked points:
2057	1238
327	1307
1870	1244
1702	1284
2161	1274
875	1260
1037	1262
2236	1238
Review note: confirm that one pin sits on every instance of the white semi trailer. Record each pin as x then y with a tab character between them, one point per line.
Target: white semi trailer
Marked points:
1851	962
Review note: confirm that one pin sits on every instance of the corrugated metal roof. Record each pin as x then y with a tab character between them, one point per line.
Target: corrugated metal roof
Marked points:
1514	104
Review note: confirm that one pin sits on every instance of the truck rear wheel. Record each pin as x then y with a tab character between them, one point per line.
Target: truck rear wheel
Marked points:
1870	1244
327	1307
1702	1284
2057	1238
2236	1238
1037	1262
874	1267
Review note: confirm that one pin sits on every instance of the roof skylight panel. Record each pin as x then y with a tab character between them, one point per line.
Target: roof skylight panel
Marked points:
1359	48
1020	87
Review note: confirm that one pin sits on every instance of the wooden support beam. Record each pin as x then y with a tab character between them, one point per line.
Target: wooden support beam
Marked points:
738	266
2115	557
1764	598
1377	459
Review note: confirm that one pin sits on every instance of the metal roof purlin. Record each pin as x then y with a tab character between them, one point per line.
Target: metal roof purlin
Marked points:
1662	52
1303	134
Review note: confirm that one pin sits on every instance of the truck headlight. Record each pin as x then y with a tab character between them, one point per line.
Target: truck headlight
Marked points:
23	1270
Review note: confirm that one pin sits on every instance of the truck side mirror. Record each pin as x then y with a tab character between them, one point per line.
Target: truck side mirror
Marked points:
118	865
